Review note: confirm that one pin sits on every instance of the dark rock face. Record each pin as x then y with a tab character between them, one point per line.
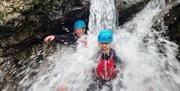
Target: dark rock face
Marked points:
172	20
43	18
127	13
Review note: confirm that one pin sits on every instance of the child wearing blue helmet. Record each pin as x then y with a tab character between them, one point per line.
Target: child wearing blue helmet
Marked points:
106	69
79	30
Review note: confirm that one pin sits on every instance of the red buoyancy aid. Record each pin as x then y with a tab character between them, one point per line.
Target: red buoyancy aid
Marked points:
106	69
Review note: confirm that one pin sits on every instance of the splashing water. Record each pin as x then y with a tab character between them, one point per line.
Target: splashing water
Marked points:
150	59
102	15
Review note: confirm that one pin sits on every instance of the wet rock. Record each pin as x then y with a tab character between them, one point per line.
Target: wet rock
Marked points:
169	17
124	4
127	9
30	25
172	20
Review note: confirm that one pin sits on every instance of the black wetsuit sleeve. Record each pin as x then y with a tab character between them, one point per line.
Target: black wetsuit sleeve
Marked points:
66	39
117	59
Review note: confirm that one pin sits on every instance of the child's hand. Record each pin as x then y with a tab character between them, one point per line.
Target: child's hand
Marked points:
49	38
62	88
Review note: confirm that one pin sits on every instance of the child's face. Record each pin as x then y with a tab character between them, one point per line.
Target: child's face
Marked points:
105	46
79	32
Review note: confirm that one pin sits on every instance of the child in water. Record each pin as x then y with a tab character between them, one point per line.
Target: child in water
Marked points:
71	38
106	69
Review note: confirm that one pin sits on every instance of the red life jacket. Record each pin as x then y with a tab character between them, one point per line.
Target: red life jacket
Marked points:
106	69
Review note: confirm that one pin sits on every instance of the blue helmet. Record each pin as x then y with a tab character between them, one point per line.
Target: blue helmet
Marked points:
105	35
79	24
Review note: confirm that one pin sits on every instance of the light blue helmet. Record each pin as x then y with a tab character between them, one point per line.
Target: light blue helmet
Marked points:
79	24
105	35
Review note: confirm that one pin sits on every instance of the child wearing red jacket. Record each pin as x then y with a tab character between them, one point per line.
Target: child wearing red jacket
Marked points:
106	69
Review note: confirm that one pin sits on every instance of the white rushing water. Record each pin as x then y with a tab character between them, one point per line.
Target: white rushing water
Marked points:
151	63
149	58
103	15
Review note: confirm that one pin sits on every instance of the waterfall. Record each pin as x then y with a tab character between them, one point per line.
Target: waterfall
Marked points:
103	15
151	63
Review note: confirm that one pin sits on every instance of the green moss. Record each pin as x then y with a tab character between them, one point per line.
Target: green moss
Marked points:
1	15
35	2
